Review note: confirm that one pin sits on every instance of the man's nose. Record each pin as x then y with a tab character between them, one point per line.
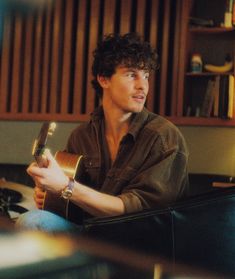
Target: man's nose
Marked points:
141	83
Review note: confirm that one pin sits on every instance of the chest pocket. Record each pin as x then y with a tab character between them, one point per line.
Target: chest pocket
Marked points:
91	171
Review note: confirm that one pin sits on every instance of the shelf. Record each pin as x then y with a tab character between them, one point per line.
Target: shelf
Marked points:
190	74
211	30
201	121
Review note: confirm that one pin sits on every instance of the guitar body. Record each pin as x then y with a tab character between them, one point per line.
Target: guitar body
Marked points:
55	203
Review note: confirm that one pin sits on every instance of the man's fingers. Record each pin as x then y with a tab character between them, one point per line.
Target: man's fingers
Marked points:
39	196
39	193
49	156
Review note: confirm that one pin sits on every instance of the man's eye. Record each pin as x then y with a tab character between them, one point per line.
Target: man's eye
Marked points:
146	76
131	75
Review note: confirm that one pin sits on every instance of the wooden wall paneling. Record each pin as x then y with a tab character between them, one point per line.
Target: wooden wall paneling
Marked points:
5	63
93	39
175	66
182	59
37	60
79	72
27	68
55	62
233	57
67	51
16	65
109	16
140	17
153	39
50	89
46	72
164	57
125	16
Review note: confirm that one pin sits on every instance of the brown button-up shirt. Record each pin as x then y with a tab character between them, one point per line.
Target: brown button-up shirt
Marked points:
150	169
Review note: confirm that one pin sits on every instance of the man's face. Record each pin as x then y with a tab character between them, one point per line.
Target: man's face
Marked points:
127	89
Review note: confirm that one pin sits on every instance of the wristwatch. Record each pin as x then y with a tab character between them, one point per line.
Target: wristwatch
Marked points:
67	192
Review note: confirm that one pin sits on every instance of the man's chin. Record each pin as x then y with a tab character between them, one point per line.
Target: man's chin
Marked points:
136	109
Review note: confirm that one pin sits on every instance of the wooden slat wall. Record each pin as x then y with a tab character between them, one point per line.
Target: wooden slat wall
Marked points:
186	6
27	67
92	42
153	39
5	65
46	65
79	73
46	55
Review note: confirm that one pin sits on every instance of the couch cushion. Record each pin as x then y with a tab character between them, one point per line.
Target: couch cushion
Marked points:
204	232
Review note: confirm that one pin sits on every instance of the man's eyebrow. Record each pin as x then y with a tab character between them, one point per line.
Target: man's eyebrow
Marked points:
131	69
135	70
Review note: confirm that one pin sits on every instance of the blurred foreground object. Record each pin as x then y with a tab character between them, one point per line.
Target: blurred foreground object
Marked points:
23	4
10	7
29	254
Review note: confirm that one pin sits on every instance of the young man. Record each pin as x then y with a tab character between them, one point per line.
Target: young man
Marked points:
133	159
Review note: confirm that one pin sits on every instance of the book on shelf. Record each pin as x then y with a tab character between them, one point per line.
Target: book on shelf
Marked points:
233	14
231	98
208	100
223	97
228	14
216	96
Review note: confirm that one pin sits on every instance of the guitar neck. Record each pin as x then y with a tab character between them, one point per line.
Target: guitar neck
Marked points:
41	161
39	146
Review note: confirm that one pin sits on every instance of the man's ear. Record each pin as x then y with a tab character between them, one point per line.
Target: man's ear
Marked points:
103	81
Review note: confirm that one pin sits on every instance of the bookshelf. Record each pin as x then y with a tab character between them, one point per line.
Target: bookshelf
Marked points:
214	44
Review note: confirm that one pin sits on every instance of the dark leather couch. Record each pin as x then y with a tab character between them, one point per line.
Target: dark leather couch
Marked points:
199	232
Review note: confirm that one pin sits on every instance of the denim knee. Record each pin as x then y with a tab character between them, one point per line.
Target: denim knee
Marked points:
44	221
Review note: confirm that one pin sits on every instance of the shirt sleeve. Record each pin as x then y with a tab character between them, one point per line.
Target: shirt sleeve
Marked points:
162	180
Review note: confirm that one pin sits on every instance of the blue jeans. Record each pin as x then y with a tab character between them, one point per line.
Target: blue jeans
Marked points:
45	221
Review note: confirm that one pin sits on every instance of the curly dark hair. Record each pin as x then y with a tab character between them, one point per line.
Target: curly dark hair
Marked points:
127	50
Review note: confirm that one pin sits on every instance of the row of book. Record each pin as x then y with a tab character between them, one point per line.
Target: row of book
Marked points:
219	99
229	15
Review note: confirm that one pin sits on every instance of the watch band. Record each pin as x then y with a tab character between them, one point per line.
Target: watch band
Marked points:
67	192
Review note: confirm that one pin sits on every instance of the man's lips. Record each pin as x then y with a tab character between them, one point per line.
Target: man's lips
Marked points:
139	97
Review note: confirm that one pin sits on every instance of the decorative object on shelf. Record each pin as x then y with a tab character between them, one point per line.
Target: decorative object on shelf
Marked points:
220	69
201	22
196	63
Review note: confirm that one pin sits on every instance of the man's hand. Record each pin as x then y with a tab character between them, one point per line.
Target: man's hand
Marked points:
51	178
39	195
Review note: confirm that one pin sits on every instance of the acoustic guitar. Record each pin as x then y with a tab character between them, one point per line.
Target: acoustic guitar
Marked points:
68	162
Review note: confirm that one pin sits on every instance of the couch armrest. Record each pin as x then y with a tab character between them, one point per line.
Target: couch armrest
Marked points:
148	231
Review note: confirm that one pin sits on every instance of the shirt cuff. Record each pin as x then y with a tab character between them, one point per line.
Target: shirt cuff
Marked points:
131	202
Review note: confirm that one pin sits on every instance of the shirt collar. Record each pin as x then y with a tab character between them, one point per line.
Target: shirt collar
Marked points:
137	122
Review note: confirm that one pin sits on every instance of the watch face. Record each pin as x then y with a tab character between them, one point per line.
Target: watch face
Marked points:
67	193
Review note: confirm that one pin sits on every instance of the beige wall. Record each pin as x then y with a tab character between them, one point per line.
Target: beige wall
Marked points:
212	149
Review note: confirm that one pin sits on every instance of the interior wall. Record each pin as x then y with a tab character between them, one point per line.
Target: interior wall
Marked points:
212	149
